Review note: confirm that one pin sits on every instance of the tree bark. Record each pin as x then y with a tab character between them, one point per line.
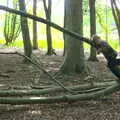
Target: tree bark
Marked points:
35	43
74	55
25	31
92	28
64	34
116	14
48	28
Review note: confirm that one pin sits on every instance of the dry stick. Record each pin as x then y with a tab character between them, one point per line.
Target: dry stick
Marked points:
60	84
38	66
52	78
56	81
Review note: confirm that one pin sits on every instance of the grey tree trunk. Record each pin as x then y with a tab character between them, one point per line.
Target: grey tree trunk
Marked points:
35	43
48	28
92	28
25	31
64	35
116	14
74	52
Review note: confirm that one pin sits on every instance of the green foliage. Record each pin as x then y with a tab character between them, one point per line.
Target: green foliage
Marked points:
11	28
104	18
86	7
12	25
57	44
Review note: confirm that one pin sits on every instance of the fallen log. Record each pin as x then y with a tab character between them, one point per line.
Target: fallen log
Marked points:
81	88
62	98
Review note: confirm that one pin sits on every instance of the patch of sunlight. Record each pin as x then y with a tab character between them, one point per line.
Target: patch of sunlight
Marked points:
35	112
2	85
57	43
37	98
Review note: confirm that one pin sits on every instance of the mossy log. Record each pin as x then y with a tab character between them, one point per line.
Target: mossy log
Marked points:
80	88
62	98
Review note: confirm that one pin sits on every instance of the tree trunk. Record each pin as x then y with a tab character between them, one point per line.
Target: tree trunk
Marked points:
92	28
25	31
48	28
64	34
49	39
35	43
74	55
116	14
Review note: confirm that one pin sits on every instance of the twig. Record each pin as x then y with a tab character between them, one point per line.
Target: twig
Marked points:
47	73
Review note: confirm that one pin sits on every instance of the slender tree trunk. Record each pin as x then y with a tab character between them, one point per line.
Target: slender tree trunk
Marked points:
116	14
74	52
48	28
64	34
49	38
25	31
92	28
35	43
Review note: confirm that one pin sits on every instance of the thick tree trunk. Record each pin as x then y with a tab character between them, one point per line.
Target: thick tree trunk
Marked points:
25	31
92	28
35	43
74	54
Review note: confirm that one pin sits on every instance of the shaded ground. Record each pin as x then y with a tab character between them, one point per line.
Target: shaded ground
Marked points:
14	73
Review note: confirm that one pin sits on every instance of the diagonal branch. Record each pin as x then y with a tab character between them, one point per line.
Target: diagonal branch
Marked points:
39	19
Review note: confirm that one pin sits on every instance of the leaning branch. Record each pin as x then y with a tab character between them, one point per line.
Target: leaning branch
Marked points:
39	19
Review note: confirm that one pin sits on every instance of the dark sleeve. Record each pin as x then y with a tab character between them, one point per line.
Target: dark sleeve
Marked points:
108	51
114	62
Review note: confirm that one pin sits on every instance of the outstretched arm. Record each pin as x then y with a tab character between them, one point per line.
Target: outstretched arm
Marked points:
109	53
103	47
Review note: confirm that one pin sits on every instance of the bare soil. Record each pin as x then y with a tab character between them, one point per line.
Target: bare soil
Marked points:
13	72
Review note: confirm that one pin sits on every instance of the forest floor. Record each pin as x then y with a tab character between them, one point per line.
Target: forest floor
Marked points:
13	72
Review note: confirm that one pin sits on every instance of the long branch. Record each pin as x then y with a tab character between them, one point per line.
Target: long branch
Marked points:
47	73
39	19
35	92
62	98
